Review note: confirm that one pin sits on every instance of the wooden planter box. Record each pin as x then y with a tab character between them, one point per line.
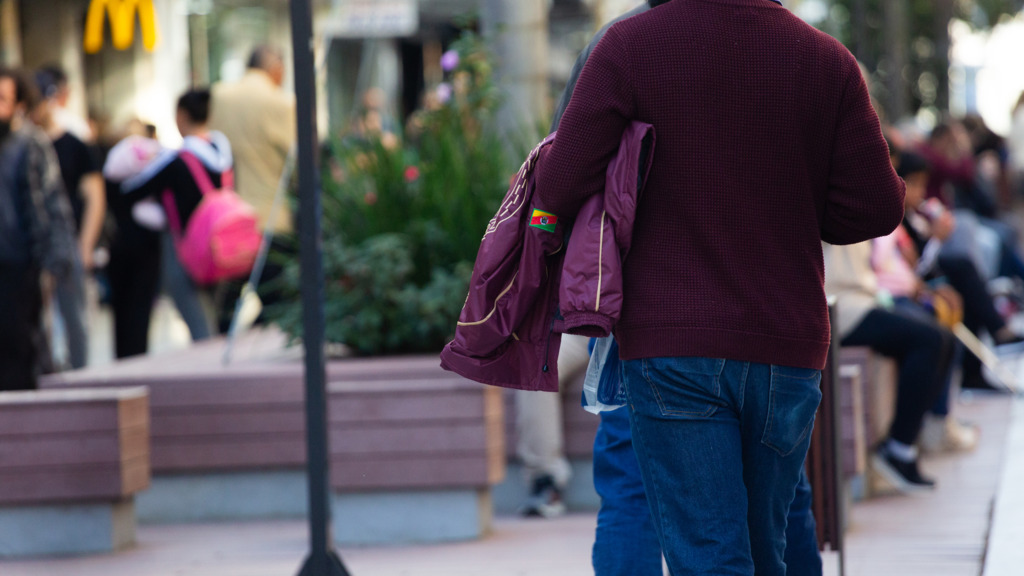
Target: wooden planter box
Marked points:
71	462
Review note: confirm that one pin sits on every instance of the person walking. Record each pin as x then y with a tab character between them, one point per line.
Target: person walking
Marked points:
83	186
767	145
35	232
258	119
208	151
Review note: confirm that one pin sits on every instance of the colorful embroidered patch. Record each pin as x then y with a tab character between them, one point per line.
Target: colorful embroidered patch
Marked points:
543	220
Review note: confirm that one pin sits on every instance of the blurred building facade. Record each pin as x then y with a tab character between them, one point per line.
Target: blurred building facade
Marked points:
392	45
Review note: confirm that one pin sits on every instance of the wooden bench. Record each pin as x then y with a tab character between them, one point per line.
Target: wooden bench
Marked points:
71	462
414	460
868	401
229	442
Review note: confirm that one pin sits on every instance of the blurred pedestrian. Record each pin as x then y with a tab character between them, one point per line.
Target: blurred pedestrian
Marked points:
134	268
1015	142
174	172
83	186
36	238
766	145
65	119
258	119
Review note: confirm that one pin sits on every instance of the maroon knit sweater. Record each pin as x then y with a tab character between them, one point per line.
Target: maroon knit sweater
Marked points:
767	145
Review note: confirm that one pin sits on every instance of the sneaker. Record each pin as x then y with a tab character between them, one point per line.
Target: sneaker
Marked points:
947	434
545	499
904	476
961	437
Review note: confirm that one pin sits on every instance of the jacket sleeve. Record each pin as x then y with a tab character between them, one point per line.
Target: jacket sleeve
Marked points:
589	133
51	221
865	196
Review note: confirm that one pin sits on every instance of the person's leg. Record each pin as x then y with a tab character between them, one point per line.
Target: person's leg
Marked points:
692	421
923	350
18	369
182	290
540	449
802	555
780	403
134	280
539	427
20	313
626	543
70	294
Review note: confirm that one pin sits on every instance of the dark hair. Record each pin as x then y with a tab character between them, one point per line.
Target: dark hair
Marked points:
263	56
59	76
941	129
910	164
24	89
654	3
46	83
196	104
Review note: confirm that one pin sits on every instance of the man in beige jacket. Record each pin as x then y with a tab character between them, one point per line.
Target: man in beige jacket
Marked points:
259	120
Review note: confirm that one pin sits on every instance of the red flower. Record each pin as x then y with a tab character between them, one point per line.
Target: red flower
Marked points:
412	174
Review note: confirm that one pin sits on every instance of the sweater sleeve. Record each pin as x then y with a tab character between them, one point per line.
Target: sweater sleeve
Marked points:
589	133
865	196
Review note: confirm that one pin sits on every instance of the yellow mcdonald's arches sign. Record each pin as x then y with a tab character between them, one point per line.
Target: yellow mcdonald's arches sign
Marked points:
122	24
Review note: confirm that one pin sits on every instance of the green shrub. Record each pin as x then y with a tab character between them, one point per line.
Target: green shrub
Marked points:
402	224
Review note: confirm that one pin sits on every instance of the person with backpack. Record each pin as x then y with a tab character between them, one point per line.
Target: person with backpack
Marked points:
178	180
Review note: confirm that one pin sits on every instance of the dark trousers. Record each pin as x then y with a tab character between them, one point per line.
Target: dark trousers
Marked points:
20	326
134	280
923	350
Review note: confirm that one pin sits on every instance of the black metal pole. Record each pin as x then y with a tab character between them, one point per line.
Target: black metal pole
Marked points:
322	560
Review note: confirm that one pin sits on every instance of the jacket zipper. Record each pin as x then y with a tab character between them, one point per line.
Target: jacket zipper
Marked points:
547	346
551	332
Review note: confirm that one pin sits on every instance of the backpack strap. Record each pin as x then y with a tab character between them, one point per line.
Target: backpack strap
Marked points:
171	209
198	172
227	179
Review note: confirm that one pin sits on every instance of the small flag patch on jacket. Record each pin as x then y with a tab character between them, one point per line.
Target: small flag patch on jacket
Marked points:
543	220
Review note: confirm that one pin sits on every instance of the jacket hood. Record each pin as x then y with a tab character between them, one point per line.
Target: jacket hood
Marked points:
214	153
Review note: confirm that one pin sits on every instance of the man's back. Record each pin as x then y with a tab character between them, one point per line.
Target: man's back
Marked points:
764	132
259	121
14	239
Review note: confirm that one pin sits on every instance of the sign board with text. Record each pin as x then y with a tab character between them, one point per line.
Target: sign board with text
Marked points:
372	19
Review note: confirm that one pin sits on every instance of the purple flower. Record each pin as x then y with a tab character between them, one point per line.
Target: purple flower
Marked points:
444	92
450	60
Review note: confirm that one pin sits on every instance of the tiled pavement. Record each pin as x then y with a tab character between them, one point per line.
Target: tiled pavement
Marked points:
941	534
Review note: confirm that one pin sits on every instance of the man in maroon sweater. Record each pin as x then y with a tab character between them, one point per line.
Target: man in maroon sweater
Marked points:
767	145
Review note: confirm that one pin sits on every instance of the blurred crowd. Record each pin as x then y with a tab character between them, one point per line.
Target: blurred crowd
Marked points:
94	215
944	293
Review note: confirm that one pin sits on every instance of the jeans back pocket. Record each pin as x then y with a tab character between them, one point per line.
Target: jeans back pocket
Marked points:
685	387
793	401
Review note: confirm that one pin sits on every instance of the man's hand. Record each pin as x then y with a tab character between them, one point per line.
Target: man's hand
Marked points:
943	226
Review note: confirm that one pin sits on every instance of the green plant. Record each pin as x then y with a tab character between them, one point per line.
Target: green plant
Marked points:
402	223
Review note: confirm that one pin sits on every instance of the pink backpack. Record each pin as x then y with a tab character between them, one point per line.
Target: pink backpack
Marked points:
222	238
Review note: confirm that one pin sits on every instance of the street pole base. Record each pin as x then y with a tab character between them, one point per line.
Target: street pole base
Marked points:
324	566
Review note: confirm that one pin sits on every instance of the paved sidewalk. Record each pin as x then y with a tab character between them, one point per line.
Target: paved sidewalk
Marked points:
518	547
940	534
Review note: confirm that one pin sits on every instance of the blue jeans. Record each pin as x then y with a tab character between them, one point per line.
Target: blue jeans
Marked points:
721	446
627	543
